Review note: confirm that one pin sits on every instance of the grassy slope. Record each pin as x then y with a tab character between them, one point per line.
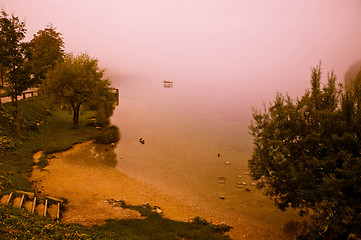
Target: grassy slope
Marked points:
41	130
52	131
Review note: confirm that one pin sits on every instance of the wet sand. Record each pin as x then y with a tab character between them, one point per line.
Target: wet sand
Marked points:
86	176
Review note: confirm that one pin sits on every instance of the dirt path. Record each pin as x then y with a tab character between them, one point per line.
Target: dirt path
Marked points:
86	176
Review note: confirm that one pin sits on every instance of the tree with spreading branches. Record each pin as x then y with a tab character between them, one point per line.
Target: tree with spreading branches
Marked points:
13	58
46	49
77	83
307	155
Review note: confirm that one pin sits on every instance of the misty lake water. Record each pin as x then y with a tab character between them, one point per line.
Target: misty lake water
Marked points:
184	128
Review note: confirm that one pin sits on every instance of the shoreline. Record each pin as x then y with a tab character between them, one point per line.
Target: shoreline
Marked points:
86	176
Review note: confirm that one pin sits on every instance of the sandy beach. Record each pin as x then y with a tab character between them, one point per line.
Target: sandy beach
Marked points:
86	176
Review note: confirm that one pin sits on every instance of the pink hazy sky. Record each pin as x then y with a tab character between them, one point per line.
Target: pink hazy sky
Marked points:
259	43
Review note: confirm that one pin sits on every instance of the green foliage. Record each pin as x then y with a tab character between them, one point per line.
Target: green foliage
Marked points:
352	72
13	58
12	31
307	156
46	49
32	112
42	130
352	101
16	162
76	82
20	224
6	143
13	53
3	74
108	135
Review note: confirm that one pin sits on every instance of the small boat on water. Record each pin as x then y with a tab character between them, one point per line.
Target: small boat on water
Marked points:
167	84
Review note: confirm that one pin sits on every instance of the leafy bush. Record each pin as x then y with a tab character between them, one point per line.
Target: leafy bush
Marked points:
102	120
6	143
108	135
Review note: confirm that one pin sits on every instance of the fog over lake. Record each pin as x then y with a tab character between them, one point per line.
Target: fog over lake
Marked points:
223	57
263	46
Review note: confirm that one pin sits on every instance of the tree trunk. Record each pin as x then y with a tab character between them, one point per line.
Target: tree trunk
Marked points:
17	118
76	109
2	72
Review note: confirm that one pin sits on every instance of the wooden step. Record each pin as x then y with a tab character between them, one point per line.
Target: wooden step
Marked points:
45	207
21	201
29	202
4	199
28	205
9	198
34	205
29	194
53	211
16	202
39	209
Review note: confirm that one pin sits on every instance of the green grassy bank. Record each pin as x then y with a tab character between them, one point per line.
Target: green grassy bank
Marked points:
51	130
41	129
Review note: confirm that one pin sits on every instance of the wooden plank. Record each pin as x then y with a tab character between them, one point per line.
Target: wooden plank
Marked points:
55	199
21	201
10	195
34	204
45	207
29	194
58	214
